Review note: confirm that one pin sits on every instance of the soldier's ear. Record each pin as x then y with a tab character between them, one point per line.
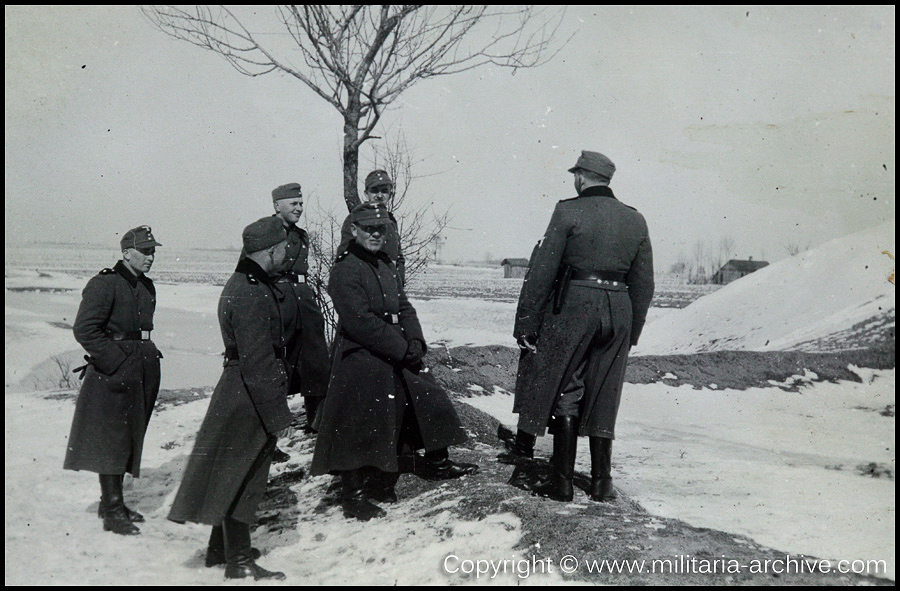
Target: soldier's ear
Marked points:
354	229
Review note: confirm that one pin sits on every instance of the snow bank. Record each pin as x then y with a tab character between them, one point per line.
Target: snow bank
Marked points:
805	297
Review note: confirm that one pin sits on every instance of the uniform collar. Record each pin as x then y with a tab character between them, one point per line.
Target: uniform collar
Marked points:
369	257
288	228
130	277
252	270
597	191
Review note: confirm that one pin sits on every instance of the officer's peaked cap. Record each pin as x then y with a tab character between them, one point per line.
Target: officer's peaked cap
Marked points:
140	237
595	162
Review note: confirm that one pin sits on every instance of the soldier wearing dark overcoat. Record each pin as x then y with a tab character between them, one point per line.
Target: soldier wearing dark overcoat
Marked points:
121	379
228	468
379	189
380	396
308	359
583	305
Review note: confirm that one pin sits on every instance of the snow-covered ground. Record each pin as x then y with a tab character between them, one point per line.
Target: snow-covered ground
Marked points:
779	467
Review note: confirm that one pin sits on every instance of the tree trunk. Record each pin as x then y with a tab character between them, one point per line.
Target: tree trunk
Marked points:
351	157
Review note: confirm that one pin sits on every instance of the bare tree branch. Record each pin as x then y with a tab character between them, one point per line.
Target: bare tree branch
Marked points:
361	58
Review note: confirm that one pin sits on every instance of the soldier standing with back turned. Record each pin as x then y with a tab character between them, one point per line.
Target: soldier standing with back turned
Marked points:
582	307
121	380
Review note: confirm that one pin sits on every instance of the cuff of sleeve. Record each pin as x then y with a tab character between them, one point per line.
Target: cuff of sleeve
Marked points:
110	361
636	333
275	415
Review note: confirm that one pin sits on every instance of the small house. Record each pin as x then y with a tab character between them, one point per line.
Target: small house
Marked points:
735	269
514	268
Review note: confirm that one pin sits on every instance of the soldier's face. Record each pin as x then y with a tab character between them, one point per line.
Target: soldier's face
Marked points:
289	210
379	194
369	237
139	260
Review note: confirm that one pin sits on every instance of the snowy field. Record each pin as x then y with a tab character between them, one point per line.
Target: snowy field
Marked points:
776	466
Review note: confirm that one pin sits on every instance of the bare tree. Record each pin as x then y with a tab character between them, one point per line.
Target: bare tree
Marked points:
361	58
420	228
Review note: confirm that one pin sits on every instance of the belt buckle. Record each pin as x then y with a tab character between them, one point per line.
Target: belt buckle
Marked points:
395	319
301	278
145	335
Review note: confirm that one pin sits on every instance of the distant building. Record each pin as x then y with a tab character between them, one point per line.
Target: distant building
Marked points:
735	269
514	268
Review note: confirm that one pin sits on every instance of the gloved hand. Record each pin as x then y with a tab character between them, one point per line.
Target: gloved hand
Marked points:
527	342
415	351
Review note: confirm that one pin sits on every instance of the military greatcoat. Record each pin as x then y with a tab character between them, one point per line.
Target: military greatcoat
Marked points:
122	379
362	416
228	468
597	321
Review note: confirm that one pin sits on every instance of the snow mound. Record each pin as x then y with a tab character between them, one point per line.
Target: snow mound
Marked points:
840	285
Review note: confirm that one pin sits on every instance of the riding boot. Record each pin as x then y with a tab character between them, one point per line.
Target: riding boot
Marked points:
565	441
133	515
381	486
601	465
239	563
115	519
311	404
215	549
353	497
519	451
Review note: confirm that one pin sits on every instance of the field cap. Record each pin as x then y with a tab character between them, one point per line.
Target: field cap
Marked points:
369	214
376	178
595	162
140	237
288	191
263	233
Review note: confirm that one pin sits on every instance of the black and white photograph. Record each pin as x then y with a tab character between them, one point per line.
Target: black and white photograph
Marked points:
450	295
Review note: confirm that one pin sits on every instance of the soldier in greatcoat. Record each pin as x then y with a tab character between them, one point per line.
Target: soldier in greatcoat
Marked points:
582	307
380	397
379	189
121	379
227	471
308	359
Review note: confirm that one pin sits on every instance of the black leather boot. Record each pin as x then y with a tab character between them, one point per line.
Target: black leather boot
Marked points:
380	486
133	515
437	465
601	465
311	404
115	519
519	451
565	444
238	553
215	549
353	497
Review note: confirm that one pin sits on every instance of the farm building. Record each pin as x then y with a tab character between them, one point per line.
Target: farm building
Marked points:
735	269
514	268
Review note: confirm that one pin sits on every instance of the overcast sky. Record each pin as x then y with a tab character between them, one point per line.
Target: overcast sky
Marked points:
770	125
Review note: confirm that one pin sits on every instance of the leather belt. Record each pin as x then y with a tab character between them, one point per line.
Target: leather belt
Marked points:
135	335
587	275
391	318
231	353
